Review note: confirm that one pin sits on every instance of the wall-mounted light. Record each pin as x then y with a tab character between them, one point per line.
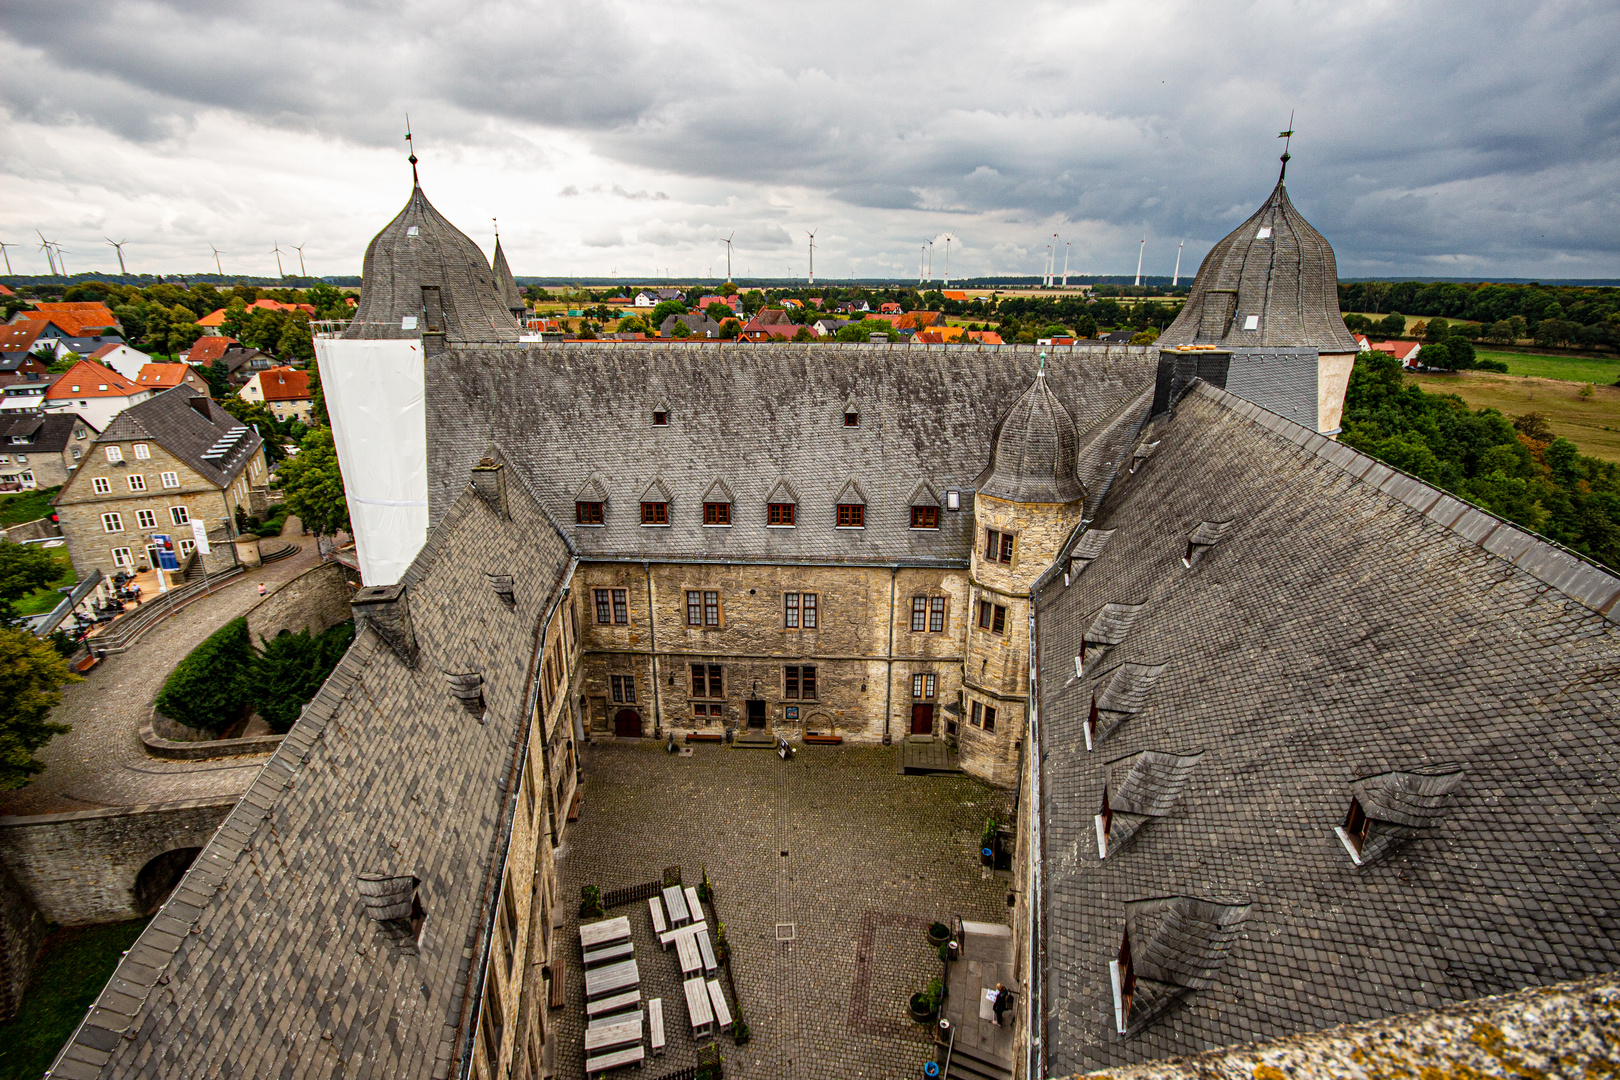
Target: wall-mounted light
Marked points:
953	500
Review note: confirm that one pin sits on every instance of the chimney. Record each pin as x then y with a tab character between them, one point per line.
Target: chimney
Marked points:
489	480
387	609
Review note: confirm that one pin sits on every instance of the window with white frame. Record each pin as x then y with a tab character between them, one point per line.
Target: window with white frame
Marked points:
101	485
186	546
145	519
142	451
170	480
179	515
122	557
112	523
115	453
137	482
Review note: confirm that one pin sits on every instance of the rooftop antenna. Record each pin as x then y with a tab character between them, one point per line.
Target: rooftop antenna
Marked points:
728	254
415	180
217	254
50	253
118	245
1287	137
1066	246
277	252
1176	279
1139	253
812	235
3	246
300	249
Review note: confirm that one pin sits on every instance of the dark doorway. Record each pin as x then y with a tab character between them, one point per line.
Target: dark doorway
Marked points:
922	719
627	724
158	878
756	714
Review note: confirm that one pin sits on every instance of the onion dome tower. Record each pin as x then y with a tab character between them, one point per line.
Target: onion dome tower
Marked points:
505	284
1034	451
423	275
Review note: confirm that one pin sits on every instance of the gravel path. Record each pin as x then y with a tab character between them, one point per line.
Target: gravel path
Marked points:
101	762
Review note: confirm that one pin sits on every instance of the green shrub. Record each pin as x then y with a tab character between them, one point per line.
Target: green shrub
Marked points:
286	674
209	689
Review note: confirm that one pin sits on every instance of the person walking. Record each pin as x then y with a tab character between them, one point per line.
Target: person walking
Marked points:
1002	1003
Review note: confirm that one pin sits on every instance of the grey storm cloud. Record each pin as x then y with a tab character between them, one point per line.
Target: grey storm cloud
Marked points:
1433	138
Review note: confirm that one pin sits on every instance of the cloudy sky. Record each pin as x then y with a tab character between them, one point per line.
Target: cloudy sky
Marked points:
1446	139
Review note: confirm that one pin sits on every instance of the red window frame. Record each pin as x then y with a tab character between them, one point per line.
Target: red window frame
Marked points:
587	513
851	516
717	513
655	513
779	514
925	517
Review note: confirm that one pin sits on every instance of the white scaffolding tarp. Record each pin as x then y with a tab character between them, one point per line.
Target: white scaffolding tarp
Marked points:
375	397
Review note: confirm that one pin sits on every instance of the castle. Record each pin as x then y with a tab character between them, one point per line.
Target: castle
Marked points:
1297	740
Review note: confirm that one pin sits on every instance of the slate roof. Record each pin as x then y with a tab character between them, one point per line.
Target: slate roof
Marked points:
46	432
420	248
170	420
753	415
505	283
1275	267
1349	623
264	962
1033	451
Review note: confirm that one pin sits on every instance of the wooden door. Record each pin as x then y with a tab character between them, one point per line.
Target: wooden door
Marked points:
627	724
756	714
922	719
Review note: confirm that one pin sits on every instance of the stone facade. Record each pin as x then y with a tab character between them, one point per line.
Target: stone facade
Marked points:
80	506
22	929
314	600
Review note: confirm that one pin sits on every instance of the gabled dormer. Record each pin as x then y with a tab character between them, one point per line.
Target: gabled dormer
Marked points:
1172	946
1139	788
782	506
851	506
655	505
1388	809
1120	698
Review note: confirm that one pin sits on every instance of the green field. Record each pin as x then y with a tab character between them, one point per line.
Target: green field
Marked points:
72	968
1584	369
42	600
1591	423
26	505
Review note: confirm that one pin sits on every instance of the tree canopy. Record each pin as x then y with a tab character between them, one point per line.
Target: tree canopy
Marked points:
23	568
32	674
313	484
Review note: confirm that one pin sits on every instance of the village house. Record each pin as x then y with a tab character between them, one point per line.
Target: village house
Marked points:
24	393
213	323
94	392
283	390
122	359
160	377
20	364
41	451
163	463
240	361
699	324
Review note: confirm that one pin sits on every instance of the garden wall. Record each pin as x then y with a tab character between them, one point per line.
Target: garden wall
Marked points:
314	600
22	928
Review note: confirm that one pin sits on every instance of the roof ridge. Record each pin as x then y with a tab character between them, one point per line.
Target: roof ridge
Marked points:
1587	582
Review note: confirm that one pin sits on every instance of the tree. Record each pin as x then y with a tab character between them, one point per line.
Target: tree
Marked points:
1435	330
256	415
1085	326
728	289
1145	337
1437	355
290	669
804	333
313	484
680	329
665	309
32	674
729	329
1393	325
23	568
181	336
862	331
219	380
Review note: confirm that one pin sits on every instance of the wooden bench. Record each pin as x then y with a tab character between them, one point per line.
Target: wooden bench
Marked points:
717	998
607	954
631	1055
559	984
704	736
595	935
621	1031
687	951
617	1003
575	804
698	1008
669	938
817	737
656	906
694	905
706	950
655	1024
609	1019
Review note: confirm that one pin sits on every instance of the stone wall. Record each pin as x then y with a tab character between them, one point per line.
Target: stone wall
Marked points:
81	867
314	600
22	928
37	529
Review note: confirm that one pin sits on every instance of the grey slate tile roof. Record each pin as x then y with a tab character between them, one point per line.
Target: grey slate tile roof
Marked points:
265	962
1034	451
170	420
44	432
505	284
1277	267
1351	621
754	417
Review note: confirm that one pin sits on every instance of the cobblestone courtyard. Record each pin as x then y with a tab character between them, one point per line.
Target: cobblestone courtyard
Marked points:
857	857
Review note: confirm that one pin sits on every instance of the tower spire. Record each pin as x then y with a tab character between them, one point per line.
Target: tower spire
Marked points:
1287	137
415	180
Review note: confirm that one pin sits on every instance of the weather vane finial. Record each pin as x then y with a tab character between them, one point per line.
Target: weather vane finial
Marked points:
1287	137
495	222
415	180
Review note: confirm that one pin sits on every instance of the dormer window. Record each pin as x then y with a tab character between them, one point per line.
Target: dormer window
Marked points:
779	515
1388	809
716	513
655	513
1085	551
925	517
1122	698
468	688
1140	787
660	418
851	516
1108	629
852	419
1172	946
588	513
1206	536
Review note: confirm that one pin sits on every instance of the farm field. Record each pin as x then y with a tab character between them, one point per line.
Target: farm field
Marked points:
1582	369
1592	423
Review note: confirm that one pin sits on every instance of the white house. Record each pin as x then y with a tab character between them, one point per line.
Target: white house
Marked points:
94	392
122	359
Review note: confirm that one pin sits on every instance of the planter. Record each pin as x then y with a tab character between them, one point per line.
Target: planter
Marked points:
938	934
922	1010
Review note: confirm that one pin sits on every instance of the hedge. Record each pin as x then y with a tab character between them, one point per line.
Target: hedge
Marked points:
291	668
209	689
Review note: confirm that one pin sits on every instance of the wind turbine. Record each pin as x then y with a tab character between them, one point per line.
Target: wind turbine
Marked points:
300	249
1066	246
1174	280
1051	276
61	263
118	245
3	246
922	253
812	235
50	253
1139	252
728	254
948	239
217	254
277	252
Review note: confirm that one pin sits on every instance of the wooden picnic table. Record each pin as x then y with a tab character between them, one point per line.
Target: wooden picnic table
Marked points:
698	1008
670	938
630	1055
675	902
617	1003
605	1037
612	979
619	950
691	960
593	935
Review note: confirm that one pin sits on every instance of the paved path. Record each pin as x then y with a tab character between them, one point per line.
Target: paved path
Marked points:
101	762
858	858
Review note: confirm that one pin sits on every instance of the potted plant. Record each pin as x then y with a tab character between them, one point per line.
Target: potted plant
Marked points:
740	1034
925	1005
590	902
938	934
987	842
705	888
722	947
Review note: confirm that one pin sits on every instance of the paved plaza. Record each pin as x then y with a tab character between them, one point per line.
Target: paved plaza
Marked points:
856	857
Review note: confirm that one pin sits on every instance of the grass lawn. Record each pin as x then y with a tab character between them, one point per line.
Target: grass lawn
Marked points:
1584	369
72	968
1592	423
42	600
26	505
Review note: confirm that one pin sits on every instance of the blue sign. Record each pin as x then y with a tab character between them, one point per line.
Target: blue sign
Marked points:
164	545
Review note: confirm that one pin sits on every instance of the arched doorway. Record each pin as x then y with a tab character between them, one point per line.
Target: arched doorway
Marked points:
627	724
159	876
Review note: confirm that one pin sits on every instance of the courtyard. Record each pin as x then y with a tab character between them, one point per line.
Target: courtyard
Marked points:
833	849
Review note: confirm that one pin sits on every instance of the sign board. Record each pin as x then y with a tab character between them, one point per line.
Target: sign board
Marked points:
164	545
199	533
